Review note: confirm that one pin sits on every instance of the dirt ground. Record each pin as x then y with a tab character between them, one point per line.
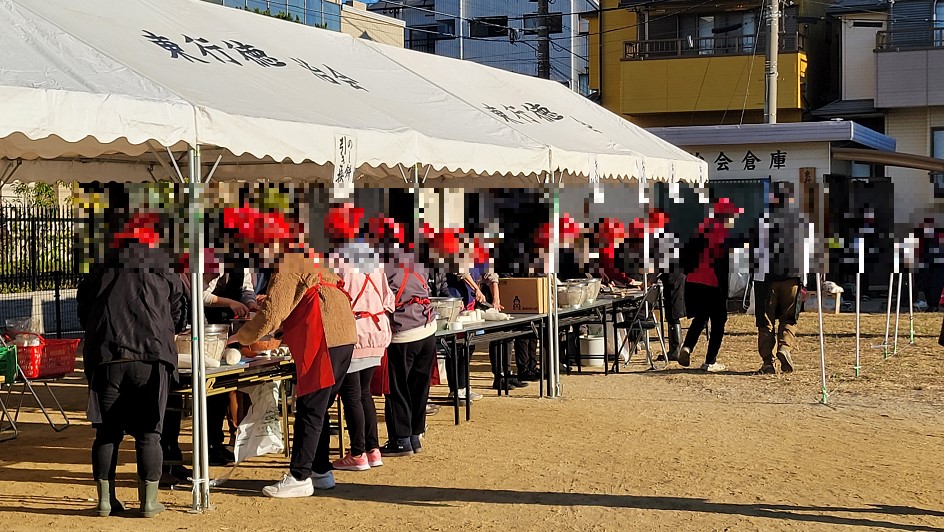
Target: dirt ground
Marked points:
669	450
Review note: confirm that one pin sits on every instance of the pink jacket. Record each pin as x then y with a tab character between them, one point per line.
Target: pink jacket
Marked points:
371	300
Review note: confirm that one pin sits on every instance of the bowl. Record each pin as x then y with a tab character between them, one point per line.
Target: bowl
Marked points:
593	289
265	344
447	308
571	296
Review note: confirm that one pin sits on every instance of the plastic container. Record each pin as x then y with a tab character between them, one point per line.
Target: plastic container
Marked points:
52	358
591	351
8	363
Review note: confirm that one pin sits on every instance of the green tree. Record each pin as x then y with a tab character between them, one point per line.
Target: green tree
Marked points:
40	194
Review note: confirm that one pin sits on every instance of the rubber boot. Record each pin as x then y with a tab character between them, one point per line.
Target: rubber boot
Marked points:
147	494
675	341
108	503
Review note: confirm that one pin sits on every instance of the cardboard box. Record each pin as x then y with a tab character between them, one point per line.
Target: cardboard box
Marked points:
524	295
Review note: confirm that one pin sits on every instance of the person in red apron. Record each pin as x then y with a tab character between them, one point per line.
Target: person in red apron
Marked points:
705	259
307	301
412	351
360	267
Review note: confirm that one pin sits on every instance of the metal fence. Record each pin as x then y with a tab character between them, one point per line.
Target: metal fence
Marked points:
38	267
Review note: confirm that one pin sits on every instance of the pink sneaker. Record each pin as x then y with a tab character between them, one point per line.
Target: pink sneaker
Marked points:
373	458
352	463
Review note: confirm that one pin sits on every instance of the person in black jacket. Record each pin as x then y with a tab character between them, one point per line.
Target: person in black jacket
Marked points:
131	307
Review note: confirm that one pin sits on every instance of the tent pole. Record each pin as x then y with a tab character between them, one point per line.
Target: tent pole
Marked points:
553	319
201	487
196	285
822	342
897	313
911	334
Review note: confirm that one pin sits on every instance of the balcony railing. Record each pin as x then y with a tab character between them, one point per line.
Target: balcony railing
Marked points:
909	39
709	46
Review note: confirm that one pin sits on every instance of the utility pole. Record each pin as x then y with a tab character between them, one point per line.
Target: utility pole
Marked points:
461	27
773	50
544	42
574	28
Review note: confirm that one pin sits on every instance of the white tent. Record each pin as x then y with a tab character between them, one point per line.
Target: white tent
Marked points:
111	76
122	89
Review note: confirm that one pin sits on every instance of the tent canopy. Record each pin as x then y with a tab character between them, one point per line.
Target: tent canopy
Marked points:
83	84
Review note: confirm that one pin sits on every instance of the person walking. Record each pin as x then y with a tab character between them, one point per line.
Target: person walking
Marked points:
307	301
361	270
131	307
781	268
706	259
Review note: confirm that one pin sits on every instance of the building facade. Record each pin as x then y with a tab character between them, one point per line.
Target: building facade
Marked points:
891	67
682	62
498	33
350	17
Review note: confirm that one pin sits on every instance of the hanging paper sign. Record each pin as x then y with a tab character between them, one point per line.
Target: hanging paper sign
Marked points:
345	156
643	191
595	183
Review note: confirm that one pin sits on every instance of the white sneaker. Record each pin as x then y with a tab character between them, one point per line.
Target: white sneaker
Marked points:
288	488
324	481
717	367
474	395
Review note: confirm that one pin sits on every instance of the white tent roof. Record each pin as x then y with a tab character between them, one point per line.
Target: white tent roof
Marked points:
117	79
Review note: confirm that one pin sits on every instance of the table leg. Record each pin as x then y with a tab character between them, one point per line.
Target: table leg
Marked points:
468	377
285	439
538	332
452	351
602	316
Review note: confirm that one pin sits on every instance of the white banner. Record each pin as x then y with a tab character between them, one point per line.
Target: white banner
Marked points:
345	162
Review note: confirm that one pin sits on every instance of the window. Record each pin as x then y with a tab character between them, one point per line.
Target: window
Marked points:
447	28
938	32
937	151
555	24
489	27
422	38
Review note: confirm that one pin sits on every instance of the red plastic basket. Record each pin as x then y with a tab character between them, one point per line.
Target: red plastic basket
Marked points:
52	358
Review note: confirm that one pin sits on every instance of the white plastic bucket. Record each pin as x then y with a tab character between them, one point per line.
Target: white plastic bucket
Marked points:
591	351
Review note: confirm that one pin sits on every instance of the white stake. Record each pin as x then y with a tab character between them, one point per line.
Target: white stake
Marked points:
911	308
858	294
822	341
897	313
888	313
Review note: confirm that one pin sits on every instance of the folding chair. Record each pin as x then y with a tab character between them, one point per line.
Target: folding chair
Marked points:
52	362
637	329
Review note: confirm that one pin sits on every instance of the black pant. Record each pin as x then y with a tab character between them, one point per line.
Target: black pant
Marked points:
170	435
408	368
359	411
673	296
493	357
455	365
217	406
526	349
706	303
131	398
311	444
